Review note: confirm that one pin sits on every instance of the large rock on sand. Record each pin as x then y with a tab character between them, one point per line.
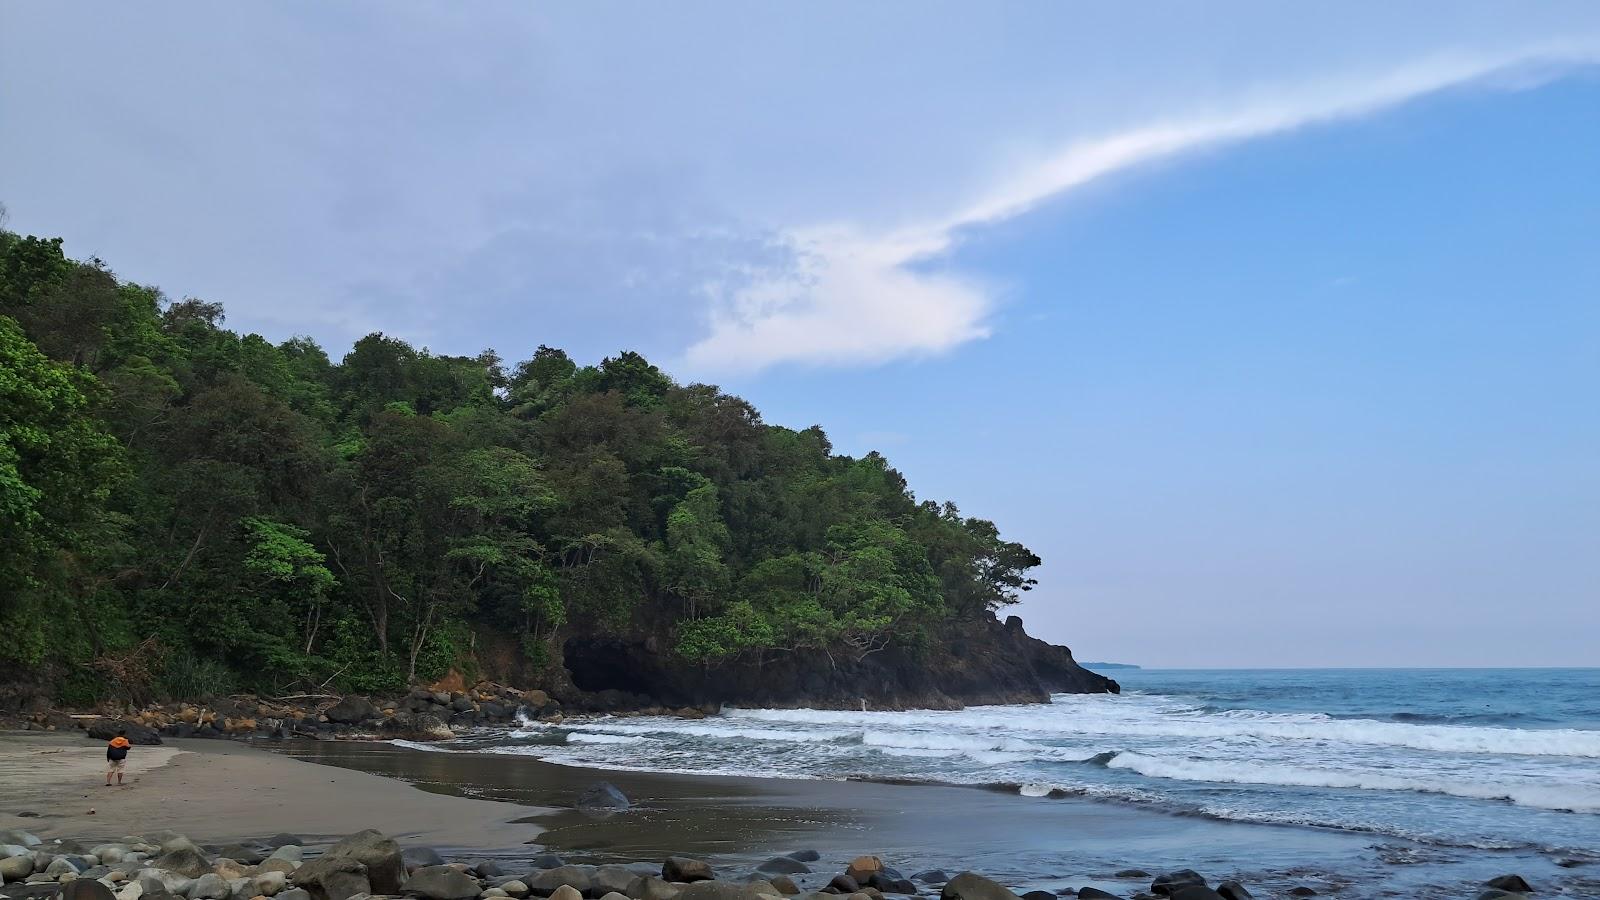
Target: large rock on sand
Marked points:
386	870
602	797
545	883
972	886
1168	884
682	868
333	878
862	868
183	858
86	889
16	868
441	883
1516	884
106	729
649	887
350	711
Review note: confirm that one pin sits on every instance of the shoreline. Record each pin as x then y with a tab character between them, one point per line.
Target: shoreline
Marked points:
511	808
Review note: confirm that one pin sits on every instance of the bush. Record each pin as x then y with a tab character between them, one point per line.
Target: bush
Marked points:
189	677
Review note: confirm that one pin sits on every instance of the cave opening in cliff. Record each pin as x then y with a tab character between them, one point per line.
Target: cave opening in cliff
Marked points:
602	664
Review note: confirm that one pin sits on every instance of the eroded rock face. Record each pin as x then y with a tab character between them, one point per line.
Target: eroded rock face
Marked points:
981	662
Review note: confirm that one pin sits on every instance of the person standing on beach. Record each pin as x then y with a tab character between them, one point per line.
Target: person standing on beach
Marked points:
117	756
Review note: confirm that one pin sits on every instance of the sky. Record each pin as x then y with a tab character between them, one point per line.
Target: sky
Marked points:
1273	328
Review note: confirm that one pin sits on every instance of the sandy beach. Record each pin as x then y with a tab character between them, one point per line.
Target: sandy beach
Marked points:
222	790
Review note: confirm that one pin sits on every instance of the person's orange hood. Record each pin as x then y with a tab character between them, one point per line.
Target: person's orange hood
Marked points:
120	742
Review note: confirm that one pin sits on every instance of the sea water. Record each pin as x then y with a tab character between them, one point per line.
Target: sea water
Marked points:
1492	759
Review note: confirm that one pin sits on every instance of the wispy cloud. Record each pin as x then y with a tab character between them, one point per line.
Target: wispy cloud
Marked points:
860	296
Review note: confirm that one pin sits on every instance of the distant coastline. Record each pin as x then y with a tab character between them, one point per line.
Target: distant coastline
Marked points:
1109	665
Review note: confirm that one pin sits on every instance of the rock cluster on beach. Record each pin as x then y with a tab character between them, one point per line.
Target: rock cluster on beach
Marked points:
422	714
169	866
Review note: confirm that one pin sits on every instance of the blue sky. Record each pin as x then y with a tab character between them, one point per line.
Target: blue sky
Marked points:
1275	332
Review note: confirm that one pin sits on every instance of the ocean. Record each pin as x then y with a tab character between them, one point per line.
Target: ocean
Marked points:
1461	761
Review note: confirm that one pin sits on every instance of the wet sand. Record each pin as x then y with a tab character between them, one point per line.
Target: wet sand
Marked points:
1023	841
220	791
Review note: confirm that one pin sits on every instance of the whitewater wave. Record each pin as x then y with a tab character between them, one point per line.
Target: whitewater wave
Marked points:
584	737
1152	717
425	746
1567	798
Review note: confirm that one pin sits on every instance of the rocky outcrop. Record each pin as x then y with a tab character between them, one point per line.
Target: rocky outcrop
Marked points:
972	663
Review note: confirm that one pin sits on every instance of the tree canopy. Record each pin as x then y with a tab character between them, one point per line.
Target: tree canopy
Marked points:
267	514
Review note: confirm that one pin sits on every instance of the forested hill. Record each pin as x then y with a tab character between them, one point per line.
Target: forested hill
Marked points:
185	511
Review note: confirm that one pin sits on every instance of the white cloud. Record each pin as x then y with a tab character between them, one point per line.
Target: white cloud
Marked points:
862	296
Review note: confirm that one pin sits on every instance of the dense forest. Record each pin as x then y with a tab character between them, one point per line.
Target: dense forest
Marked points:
186	510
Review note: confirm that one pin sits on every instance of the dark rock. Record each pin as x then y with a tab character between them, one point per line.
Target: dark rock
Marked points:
1233	890
441	883
386	871
682	868
333	877
609	879
545	883
805	856
420	857
350	711
26	814
844	884
1038	895
783	865
493	711
1497	894
1513	883
649	887
972	886
240	853
86	889
893	883
186	861
487	868
602	796
1194	892
548	861
932	876
716	890
1093	893
290	894
1302	891
1133	873
1171	881
106	729
461	705
40	891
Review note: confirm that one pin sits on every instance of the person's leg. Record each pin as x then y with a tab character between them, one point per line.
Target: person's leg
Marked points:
120	768
111	767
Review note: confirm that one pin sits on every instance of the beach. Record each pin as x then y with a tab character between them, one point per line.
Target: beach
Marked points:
222	791
469	805
1365	784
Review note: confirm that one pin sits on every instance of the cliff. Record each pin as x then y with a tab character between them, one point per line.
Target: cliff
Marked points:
973	663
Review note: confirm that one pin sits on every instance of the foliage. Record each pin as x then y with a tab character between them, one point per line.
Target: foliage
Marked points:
269	515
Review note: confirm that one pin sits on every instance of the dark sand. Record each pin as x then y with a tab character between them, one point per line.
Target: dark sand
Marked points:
1023	841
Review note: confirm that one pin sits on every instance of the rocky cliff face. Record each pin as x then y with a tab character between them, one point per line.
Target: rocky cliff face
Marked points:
974	663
